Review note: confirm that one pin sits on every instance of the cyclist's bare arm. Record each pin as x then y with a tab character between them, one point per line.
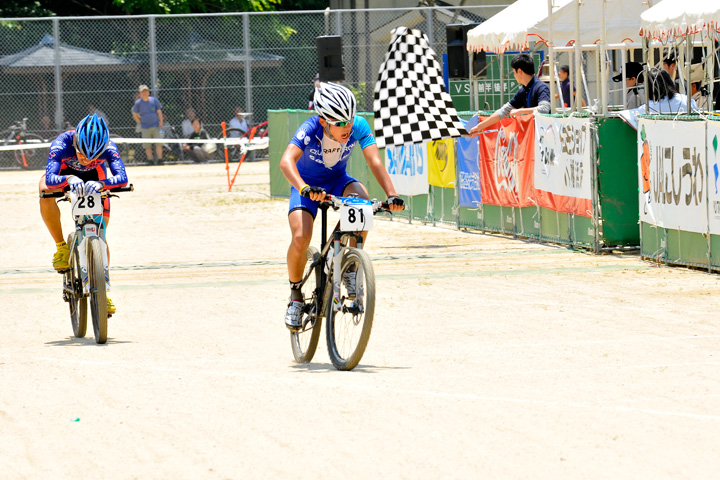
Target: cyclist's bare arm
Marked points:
372	157
288	165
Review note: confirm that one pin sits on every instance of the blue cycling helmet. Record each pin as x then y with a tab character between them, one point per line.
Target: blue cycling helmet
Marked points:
91	136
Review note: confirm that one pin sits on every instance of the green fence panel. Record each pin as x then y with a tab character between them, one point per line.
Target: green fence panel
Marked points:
281	126
470	218
715	252
529	222
554	226
443	203
618	182
653	242
499	219
687	248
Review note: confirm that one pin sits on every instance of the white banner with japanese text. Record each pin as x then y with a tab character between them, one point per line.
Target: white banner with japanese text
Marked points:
563	164
672	166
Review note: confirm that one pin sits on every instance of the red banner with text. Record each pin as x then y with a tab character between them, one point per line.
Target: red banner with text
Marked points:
507	155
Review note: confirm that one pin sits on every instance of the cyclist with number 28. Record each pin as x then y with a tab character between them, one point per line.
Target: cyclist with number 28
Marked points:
78	161
315	163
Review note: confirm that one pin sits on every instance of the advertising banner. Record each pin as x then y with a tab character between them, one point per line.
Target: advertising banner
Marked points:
441	163
672	174
408	168
713	183
506	162
468	168
563	164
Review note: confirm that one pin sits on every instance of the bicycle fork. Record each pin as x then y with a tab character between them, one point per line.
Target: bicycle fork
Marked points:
90	231
337	267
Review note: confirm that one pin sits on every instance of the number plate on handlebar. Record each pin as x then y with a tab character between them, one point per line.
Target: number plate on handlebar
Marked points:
91	204
356	215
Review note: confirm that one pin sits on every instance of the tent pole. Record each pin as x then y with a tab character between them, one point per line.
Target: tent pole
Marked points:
603	64
551	59
578	60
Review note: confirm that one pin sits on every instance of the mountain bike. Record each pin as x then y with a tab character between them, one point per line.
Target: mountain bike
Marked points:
88	275
28	158
348	314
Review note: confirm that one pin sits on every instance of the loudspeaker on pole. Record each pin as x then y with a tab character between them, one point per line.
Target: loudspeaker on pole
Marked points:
329	54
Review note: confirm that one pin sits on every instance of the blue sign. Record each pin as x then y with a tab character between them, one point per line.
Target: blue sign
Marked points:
468	168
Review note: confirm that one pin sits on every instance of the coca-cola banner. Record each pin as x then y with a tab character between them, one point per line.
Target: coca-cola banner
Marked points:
506	162
672	170
563	164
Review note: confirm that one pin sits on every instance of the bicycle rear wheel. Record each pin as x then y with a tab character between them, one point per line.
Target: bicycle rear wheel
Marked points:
73	292
304	342
98	298
348	329
32	158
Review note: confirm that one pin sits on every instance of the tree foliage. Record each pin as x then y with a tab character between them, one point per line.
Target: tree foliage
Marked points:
73	8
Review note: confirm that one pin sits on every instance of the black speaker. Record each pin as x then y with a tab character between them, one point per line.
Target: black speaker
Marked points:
329	54
457	54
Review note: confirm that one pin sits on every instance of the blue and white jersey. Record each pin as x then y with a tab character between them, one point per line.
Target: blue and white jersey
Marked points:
63	157
324	159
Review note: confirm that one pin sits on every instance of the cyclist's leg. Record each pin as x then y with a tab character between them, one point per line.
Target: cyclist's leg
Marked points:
50	212
301	215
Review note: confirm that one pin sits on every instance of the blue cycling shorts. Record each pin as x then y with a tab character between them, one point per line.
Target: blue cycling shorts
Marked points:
334	187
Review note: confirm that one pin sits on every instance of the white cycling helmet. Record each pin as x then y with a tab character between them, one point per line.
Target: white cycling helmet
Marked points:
334	102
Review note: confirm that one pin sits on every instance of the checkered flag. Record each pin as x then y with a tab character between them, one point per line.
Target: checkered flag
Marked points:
411	104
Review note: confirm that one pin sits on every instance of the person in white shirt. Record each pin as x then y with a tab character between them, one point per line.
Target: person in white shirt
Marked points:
187	126
238	122
663	98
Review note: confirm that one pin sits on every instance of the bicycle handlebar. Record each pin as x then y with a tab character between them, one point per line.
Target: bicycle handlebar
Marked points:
129	188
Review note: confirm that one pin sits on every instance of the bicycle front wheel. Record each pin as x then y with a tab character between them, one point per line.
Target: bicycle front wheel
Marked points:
32	158
304	342
348	329
73	292
98	297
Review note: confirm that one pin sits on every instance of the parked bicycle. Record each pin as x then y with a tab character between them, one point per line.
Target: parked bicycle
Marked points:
88	275
28	158
252	143
348	313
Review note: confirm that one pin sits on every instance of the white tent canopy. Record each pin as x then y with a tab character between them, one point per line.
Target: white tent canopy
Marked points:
527	20
672	18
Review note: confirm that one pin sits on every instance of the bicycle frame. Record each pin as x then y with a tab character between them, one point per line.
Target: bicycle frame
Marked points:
337	249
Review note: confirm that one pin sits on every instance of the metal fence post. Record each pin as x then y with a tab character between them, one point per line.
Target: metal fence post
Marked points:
153	56
248	77
59	114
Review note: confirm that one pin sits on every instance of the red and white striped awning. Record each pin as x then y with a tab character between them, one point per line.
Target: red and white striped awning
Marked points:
527	20
676	18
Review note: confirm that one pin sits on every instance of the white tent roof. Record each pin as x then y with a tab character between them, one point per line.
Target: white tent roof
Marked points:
526	20
671	18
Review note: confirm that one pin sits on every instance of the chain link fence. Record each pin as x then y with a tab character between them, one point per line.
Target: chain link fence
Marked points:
53	71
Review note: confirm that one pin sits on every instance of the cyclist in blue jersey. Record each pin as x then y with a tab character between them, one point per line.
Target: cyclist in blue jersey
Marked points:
79	161
315	162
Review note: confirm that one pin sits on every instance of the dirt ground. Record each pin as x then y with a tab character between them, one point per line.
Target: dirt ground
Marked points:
489	357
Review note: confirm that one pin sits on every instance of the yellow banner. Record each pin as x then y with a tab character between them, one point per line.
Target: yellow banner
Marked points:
441	163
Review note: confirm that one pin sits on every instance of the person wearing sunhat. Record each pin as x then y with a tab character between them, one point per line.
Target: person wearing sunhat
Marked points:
697	87
147	112
633	77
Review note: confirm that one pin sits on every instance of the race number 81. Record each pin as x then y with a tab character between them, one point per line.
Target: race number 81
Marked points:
356	218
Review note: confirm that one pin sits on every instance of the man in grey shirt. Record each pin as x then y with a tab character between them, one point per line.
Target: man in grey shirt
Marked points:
633	76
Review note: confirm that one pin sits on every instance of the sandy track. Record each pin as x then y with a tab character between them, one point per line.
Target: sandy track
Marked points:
489	357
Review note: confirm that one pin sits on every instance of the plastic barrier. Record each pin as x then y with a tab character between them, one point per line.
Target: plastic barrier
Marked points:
606	216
